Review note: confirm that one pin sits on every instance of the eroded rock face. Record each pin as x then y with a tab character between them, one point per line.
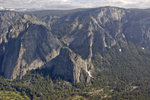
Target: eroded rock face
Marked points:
69	66
29	49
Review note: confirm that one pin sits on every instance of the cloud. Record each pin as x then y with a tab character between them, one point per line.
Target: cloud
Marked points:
71	4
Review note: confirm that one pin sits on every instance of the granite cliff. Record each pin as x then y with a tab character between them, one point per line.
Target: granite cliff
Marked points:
68	44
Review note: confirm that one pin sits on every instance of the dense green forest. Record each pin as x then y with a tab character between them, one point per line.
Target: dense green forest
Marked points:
37	87
118	76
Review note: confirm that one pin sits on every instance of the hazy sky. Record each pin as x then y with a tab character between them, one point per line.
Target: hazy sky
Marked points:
71	4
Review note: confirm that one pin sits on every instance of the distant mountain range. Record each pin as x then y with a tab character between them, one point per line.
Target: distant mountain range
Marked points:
19	9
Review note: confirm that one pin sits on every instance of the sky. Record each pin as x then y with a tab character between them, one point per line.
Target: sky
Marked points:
72	4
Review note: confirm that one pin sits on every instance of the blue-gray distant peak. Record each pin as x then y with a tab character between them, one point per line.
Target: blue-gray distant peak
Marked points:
71	4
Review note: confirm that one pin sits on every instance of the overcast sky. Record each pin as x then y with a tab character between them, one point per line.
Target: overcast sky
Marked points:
71	4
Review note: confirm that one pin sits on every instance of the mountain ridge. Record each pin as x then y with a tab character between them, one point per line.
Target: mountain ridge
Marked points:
76	38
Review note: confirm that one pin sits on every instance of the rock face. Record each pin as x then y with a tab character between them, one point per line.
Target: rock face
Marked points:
26	46
73	67
65	44
31	50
